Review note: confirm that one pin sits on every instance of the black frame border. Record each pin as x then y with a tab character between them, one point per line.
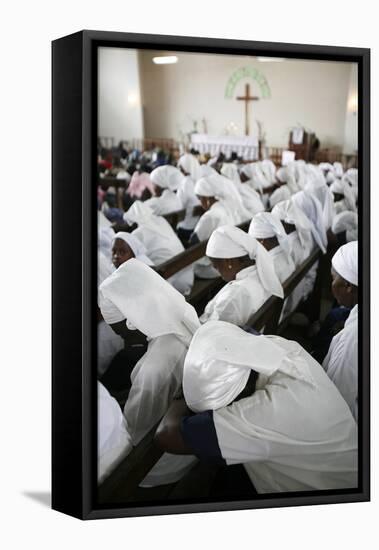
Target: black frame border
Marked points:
74	133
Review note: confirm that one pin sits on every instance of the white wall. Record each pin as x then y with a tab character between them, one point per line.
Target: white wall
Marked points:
311	93
119	103
351	124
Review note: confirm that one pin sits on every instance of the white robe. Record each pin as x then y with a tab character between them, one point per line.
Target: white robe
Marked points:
162	246
251	199
218	214
165	204
237	300
114	442
341	362
189	200
284	265
156	379
291	435
299	255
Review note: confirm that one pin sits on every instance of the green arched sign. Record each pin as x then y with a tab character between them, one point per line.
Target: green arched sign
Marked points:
247	72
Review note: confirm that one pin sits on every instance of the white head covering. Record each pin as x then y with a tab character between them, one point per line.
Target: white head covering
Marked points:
345	262
166	177
228	241
281	194
337	187
346	221
321	191
222	189
221	357
342	187
338	169
230	171
150	304
264	225
312	209
206	170
290	213
136	245
141	214
191	165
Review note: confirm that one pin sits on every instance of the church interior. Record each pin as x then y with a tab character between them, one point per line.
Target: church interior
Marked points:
228	203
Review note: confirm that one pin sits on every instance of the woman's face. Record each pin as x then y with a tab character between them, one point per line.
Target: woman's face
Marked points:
342	290
121	252
228	268
206	202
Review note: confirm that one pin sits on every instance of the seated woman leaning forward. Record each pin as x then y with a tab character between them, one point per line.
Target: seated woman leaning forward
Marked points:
269	231
264	402
249	271
166	180
137	297
160	241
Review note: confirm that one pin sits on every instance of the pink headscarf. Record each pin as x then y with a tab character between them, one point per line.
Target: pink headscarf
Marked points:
139	183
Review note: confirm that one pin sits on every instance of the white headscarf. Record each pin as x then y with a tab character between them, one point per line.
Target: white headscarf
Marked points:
264	226
228	241
166	177
338	169
230	171
342	187
254	172
322	192
346	221
206	170
135	244
191	165
290	213
221	357
147	301
222	189
311	207
141	214
281	194
345	262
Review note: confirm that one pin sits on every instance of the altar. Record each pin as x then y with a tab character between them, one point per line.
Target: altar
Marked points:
246	147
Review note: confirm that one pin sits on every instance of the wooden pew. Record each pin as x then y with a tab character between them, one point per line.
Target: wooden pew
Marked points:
121	484
268	314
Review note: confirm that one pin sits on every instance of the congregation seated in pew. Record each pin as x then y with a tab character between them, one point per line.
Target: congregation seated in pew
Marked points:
298	227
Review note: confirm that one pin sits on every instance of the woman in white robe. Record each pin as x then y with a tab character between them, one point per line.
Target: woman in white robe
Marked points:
269	231
341	188
252	174
341	362
346	222
137	294
250	274
190	168
113	441
322	192
160	241
218	211
298	229
250	198
279	195
166	180
264	402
